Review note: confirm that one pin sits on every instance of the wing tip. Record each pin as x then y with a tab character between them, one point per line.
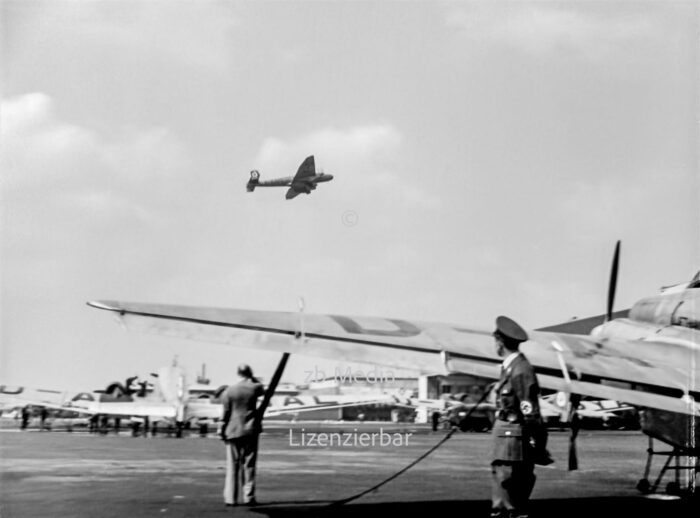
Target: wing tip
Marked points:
107	305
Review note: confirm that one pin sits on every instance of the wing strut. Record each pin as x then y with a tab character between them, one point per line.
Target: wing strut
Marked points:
572	402
272	386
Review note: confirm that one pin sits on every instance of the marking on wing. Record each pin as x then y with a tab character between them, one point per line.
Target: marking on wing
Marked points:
403	328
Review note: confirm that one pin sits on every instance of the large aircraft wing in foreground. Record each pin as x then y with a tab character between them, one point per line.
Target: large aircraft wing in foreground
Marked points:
648	359
652	370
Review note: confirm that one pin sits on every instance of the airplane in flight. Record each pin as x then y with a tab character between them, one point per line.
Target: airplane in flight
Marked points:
306	179
647	356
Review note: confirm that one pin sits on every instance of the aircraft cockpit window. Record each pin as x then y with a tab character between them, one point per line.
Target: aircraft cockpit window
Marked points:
695	282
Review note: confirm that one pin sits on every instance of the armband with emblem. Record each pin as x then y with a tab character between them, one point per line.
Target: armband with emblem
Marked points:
526	408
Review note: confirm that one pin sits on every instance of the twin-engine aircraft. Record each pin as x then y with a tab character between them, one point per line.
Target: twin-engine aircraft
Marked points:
306	179
648	357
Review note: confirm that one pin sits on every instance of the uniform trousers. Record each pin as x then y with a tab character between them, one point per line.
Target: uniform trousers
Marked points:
511	485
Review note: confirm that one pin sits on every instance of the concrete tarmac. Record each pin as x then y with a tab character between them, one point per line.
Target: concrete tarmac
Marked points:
59	474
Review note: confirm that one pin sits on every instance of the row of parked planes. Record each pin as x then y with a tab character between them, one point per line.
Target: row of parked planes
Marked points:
169	400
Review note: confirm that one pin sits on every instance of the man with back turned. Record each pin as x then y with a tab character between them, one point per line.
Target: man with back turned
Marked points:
240	430
519	435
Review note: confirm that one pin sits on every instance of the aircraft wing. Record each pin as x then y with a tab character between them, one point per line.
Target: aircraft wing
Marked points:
291	193
290	409
639	372
208	410
306	169
11	396
583	325
133	409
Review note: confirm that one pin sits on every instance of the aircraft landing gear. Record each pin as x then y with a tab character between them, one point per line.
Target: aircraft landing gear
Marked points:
672	488
644	487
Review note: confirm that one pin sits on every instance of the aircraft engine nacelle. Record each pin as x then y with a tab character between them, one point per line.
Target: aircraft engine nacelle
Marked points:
625	329
676	309
675	429
116	392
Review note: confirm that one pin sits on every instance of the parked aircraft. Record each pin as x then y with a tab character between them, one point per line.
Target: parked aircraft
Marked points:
171	399
306	179
647	358
592	414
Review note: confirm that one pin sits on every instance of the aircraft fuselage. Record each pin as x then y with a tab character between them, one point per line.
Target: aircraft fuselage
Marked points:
288	181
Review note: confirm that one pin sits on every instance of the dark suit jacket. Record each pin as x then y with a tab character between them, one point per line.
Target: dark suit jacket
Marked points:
239	402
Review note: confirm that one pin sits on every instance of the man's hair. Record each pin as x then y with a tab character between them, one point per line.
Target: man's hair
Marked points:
508	342
245	370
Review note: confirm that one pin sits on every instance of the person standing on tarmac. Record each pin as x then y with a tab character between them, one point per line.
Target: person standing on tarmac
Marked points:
44	416
519	436
25	417
240	429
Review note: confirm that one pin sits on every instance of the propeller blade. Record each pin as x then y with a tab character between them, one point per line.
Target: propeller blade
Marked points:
613	282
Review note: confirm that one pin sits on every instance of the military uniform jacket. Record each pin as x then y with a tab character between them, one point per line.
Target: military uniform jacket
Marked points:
518	416
239	402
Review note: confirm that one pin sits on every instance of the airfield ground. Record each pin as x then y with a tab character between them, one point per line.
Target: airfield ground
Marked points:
60	474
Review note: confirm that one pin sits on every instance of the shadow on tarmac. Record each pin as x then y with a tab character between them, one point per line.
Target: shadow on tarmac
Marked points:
553	508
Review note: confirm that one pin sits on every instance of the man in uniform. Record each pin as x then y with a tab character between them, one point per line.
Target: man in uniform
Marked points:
240	429
519	435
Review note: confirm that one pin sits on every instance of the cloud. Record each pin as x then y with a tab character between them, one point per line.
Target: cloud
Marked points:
35	145
410	194
358	144
63	182
168	30
542	29
196	34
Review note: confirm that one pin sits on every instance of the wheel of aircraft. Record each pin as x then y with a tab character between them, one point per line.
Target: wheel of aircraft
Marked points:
673	488
643	486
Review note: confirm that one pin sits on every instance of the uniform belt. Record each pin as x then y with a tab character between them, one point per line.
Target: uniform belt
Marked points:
509	417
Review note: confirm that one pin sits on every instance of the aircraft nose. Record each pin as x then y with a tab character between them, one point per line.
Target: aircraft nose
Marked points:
330	176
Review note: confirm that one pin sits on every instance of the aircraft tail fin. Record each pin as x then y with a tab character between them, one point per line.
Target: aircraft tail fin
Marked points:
254	180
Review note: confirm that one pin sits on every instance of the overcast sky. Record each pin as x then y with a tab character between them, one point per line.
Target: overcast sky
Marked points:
486	156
